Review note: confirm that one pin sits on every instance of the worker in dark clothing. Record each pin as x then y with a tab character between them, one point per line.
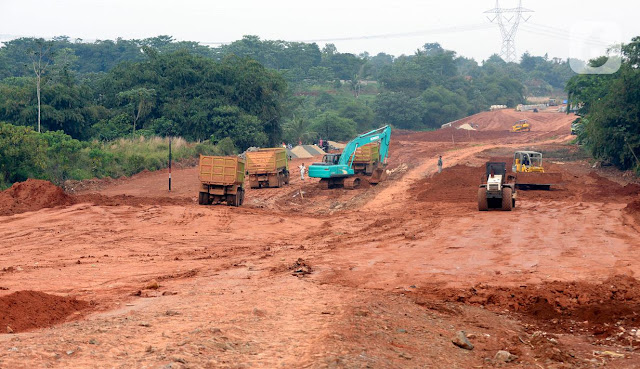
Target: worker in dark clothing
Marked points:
440	164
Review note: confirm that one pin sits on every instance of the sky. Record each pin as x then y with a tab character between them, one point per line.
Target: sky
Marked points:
559	28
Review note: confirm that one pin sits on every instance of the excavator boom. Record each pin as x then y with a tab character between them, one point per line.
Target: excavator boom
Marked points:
335	174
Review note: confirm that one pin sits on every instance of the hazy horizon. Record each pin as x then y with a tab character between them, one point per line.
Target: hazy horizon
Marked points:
354	27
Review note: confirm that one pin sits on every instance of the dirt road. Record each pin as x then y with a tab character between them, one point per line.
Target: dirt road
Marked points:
128	274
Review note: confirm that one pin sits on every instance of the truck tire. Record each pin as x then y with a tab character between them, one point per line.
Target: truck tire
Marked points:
483	205
507	200
203	198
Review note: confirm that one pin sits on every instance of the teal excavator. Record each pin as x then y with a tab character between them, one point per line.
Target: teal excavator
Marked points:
352	166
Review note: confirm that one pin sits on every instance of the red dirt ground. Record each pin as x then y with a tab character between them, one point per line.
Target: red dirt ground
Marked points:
380	277
26	310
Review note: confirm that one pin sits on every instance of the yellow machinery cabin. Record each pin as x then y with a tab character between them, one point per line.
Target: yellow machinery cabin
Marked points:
521	126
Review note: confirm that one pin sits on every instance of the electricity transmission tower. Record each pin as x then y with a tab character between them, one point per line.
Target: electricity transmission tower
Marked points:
508	20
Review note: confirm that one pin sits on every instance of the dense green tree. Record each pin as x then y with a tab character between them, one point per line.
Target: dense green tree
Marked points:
330	126
610	106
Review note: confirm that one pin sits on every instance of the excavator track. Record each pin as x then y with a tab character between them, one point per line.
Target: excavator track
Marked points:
351	183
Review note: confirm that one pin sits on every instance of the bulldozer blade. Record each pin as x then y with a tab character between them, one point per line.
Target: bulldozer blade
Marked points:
534	181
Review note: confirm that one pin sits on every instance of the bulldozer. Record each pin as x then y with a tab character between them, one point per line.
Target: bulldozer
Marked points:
521	126
530	174
497	190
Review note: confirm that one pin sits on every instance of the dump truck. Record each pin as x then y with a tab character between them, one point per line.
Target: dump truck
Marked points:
497	190
268	167
366	158
221	180
521	126
529	172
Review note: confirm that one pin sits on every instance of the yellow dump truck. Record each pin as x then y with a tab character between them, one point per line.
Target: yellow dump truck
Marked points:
221	180
268	167
366	158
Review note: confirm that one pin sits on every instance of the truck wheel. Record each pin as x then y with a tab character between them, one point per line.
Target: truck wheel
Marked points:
203	198
507	200
483	205
231	200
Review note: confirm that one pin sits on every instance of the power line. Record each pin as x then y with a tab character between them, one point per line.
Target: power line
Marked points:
508	27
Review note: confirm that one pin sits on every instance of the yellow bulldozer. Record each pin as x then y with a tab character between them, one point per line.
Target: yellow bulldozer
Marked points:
521	126
530	173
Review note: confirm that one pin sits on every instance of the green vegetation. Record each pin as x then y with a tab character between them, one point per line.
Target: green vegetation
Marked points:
56	156
610	108
252	92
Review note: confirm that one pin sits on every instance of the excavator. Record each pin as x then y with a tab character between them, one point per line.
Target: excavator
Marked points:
339	170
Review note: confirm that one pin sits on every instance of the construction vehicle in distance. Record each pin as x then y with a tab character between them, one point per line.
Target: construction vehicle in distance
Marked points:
497	190
521	126
268	167
221	180
552	102
350	167
530	174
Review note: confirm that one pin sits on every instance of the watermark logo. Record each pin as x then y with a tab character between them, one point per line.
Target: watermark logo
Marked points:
594	48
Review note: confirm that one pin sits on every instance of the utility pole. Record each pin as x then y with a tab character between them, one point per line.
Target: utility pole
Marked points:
508	27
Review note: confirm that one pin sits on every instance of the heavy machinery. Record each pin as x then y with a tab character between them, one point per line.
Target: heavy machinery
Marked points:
530	173
221	180
268	167
350	167
497	190
521	126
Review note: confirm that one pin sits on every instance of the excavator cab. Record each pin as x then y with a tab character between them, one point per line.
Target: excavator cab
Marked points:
331	159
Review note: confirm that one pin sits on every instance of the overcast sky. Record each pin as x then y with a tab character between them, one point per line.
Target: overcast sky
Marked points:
395	27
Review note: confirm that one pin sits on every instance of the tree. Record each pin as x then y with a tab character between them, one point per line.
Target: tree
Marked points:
330	126
299	129
41	57
140	101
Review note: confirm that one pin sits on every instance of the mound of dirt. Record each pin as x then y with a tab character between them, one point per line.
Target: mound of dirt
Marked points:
32	195
559	306
25	310
455	184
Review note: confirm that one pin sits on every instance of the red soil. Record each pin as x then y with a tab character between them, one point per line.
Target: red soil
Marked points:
25	310
31	195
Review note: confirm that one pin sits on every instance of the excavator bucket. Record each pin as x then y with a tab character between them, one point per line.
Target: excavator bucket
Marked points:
537	180
378	175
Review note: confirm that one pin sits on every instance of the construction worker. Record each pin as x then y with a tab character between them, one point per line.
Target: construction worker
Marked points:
440	164
302	168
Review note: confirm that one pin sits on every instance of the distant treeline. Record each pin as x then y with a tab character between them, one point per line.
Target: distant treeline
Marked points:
258	92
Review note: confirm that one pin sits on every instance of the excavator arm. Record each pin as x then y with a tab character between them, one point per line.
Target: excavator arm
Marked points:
382	134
